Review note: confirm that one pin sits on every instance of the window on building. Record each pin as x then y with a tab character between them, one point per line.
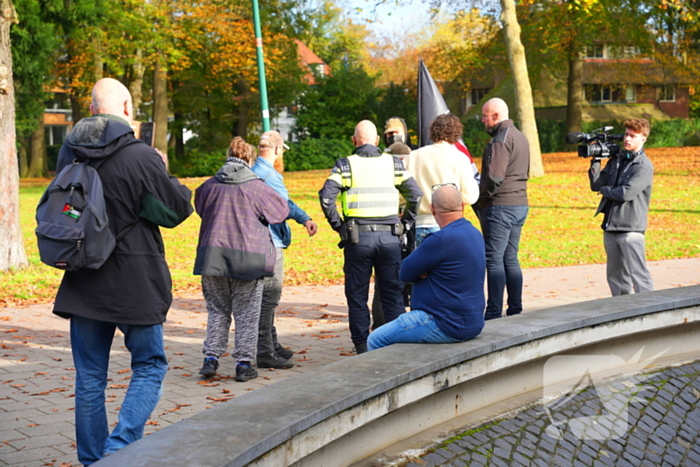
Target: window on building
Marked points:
595	51
319	69
598	93
478	94
473	98
629	94
55	134
630	51
667	93
59	101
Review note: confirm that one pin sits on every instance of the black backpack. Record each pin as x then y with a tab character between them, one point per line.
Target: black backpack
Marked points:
72	223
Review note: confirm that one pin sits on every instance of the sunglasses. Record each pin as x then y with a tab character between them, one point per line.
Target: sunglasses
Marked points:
437	186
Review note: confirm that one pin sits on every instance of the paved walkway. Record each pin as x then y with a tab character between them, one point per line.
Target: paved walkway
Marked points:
652	420
36	368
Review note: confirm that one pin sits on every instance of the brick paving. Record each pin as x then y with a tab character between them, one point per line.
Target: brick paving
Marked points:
650	421
36	367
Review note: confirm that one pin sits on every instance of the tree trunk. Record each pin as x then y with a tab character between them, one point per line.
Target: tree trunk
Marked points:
37	152
574	97
179	138
242	121
525	109
23	159
98	66
76	110
243	109
12	254
160	108
136	84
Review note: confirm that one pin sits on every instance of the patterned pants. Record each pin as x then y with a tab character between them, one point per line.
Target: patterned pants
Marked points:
224	297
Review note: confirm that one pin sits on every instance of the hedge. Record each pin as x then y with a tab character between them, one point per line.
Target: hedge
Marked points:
312	154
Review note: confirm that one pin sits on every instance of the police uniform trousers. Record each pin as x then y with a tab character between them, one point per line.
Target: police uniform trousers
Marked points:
381	251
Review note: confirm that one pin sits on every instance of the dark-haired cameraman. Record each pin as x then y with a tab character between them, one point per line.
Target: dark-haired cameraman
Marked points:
625	184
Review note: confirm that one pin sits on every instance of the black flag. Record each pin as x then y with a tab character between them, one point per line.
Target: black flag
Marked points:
430	104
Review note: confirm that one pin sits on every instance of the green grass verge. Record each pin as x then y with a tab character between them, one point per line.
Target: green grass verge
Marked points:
560	229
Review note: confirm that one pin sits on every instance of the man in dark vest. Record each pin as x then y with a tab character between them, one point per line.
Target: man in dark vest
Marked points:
368	183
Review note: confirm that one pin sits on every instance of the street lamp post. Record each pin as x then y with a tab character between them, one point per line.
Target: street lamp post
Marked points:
261	68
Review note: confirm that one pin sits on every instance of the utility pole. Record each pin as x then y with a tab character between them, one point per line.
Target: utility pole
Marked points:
261	68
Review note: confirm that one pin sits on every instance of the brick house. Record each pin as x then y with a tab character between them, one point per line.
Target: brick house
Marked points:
618	83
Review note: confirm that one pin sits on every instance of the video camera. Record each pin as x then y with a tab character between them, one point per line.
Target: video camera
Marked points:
596	144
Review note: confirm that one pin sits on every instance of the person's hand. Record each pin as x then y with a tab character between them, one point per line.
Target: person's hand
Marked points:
163	156
311	227
424	275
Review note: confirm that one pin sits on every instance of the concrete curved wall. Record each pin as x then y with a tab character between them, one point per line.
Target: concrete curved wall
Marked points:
351	409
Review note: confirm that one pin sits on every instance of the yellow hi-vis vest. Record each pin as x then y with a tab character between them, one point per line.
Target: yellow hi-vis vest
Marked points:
371	186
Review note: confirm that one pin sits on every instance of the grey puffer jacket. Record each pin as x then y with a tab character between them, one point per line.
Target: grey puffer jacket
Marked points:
625	200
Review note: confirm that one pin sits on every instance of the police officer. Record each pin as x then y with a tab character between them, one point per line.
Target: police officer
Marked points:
367	183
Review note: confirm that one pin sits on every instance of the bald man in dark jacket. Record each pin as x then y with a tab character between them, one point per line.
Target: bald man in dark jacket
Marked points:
503	206
132	289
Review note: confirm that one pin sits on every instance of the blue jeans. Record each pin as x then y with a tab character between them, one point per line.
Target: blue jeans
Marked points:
501	227
422	232
91	342
417	327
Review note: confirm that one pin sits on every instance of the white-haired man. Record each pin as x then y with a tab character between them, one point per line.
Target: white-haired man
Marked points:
271	354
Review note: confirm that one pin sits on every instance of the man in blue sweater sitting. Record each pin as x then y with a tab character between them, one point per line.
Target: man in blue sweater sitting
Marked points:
447	271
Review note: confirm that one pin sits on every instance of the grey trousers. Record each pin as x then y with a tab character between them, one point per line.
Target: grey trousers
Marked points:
627	265
225	297
272	292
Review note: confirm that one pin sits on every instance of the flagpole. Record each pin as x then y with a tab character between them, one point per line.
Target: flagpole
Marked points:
261	68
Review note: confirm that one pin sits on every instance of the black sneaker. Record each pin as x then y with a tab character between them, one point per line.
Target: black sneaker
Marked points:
360	348
245	372
284	353
273	361
209	368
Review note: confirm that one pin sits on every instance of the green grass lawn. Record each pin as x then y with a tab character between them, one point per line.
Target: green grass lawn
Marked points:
560	229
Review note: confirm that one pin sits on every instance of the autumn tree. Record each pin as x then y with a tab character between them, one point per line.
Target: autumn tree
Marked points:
334	37
35	41
215	94
457	49
524	106
12	253
558	32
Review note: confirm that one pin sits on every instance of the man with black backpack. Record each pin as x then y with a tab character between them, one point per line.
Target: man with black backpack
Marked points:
132	289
